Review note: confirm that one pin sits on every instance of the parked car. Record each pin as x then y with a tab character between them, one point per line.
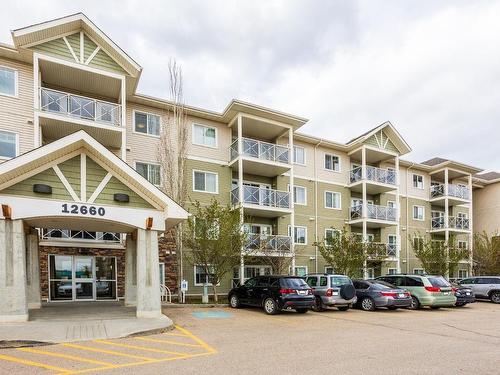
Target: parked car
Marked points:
484	287
273	293
373	294
332	290
426	290
464	294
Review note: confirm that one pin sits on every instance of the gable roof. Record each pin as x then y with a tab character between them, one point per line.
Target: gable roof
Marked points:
434	161
489	177
390	131
39	158
45	31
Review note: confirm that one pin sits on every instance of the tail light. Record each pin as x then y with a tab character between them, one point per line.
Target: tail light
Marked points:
454	290
433	289
329	292
407	294
388	294
287	291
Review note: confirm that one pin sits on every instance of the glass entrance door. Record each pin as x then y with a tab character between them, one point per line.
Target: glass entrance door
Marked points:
84	278
105	276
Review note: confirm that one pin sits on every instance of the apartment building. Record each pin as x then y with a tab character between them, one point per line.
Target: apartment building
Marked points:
80	181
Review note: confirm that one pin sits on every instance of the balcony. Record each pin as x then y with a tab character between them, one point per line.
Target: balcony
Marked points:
62	113
378	180
456	194
376	216
262	202
258	245
378	250
260	158
455	223
74	237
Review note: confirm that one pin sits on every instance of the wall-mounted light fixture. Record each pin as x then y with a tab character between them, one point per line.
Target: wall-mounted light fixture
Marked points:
149	223
42	189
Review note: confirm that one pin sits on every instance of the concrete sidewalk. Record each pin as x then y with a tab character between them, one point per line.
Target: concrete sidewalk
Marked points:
67	322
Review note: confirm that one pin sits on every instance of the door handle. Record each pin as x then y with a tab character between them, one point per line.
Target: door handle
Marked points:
264	289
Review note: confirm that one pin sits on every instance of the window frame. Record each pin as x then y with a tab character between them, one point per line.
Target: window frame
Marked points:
149	164
329	267
292	234
194	125
16	145
293	194
204	191
194	276
339	208
420	238
294	159
423	212
462	270
392	268
295	270
413	181
332	170
147	114
16	82
419	269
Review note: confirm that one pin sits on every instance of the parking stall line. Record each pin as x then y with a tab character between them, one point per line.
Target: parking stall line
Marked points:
32	363
65	356
196	339
168	342
111	352
136	347
174	334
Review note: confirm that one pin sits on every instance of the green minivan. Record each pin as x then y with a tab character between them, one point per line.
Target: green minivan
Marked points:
426	290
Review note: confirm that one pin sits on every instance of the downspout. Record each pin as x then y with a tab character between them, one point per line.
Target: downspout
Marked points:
316	208
408	244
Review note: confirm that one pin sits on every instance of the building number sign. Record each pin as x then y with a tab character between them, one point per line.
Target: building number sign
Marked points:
82	210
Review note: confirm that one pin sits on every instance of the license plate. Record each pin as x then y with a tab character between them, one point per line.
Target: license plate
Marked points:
302	292
335	293
401	295
467	293
446	293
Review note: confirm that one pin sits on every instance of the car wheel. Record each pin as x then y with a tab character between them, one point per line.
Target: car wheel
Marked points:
414	303
270	306
234	301
367	304
343	308
301	311
318	304
495	297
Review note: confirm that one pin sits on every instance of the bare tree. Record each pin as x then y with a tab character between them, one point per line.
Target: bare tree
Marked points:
172	153
273	251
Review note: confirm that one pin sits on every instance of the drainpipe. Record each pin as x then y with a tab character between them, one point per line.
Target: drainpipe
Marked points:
316	207
408	244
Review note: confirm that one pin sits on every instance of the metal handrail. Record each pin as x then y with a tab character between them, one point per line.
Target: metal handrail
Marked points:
79	235
261	196
454	222
80	106
457	191
271	243
261	150
374	212
383	176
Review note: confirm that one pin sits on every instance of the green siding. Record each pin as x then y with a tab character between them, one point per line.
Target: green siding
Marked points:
71	170
88	47
74	42
48	177
372	141
56	47
115	186
102	61
95	174
224	179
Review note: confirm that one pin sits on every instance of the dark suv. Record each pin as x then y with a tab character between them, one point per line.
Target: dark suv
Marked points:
273	293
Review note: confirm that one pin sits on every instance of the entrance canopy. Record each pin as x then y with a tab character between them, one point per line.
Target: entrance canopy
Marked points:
76	183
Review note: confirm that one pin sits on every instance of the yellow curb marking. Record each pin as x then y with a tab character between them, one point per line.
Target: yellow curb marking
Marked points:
31	363
197	339
66	356
174	334
138	347
112	352
167	342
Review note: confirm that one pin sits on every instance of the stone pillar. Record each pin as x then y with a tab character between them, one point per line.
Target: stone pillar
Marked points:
148	278
13	294
131	271
33	271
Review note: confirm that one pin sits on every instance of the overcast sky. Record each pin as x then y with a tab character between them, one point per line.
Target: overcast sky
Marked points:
432	68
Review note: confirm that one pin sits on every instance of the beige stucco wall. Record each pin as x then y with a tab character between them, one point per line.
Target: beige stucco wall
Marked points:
486	208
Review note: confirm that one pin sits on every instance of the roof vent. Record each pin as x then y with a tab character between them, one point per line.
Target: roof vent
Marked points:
42	189
118	197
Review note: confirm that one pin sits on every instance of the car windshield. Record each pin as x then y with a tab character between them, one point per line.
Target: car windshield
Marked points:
294	282
339	280
438	281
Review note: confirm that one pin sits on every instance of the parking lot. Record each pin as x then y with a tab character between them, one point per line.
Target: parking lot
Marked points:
246	341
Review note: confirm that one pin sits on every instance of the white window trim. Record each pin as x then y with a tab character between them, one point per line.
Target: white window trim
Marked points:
423	181
465	214
293	195
389	271
205	126
194	277
413	212
332	229
150	163
332	170
216	182
339	208
146	113
393	203
333	270
463	270
305	155
17	145
416	237
462	241
295	270
292	233
16	82
419	269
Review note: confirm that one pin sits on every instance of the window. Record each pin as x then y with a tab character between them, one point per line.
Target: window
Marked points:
299	234
300	271
418	271
418	181
332	200
463	274
162	273
201	277
370	273
462	245
150	172
329	270
392	271
8	81
299	155
8	144
418	243
391	204
204	135
413	281
206	182
300	195
332	163
330	235
418	213
147	123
